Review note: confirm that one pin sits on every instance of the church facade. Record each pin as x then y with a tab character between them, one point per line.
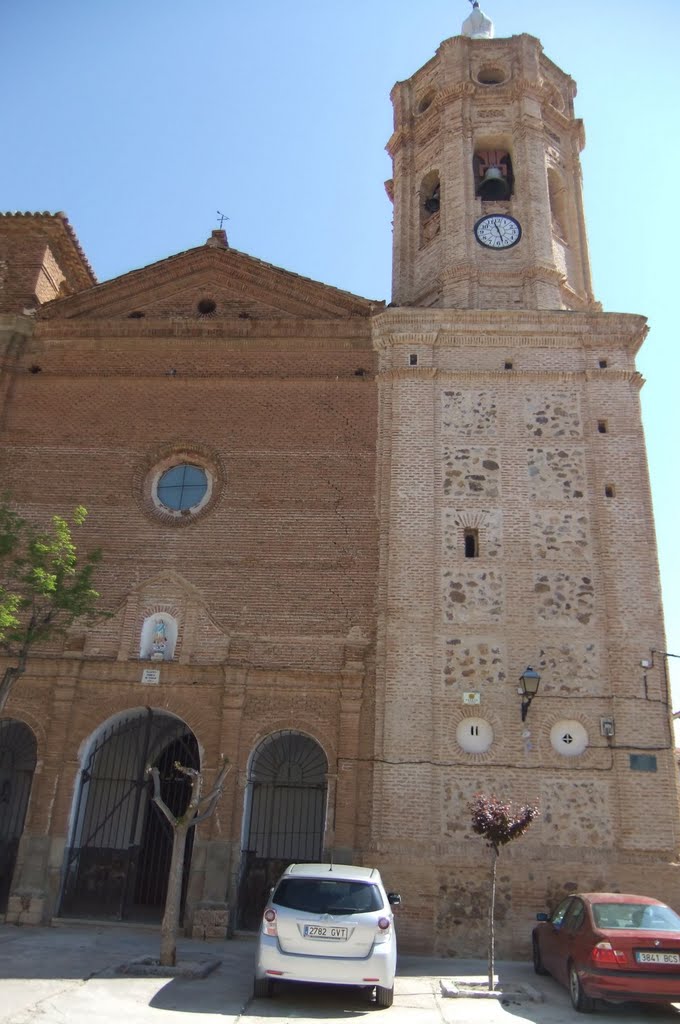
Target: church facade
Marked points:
336	534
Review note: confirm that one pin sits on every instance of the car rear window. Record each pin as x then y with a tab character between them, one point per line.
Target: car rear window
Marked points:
326	896
647	916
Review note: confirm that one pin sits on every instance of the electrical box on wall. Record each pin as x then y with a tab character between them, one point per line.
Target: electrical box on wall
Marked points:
607	727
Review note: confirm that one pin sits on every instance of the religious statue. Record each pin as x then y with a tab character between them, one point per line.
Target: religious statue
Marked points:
159	640
477	25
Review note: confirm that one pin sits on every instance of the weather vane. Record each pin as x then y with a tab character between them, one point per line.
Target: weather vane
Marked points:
222	217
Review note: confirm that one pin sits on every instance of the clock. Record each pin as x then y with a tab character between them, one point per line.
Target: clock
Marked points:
498	231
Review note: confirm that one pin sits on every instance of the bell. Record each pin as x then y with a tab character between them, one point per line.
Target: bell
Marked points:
494	186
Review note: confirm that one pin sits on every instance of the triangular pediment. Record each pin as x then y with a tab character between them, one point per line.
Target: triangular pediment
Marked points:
210	282
168	578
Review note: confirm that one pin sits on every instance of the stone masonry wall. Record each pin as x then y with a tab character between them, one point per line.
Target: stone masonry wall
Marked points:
519	460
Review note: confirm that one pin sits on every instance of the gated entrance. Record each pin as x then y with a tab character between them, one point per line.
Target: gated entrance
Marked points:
284	816
18	749
118	862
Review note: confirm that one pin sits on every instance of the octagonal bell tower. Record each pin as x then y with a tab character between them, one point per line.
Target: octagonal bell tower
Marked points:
486	129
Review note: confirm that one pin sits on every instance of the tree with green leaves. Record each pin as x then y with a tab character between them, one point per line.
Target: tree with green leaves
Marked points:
45	586
499	823
197	810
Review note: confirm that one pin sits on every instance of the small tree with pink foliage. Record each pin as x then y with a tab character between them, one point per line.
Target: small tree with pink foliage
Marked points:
498	823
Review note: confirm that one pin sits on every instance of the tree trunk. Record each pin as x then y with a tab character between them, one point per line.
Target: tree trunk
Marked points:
8	680
492	911
173	899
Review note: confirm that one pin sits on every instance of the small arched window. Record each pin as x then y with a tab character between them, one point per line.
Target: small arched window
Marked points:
471	543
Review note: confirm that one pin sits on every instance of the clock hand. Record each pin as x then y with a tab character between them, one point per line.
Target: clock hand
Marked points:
498	231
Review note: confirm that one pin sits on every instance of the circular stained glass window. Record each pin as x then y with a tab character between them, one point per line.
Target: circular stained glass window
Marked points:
182	487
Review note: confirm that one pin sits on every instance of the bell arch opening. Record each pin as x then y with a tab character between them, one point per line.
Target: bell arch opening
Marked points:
430	203
558	205
493	175
284	816
118	858
18	757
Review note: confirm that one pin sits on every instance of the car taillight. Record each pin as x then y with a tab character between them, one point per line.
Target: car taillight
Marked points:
604	953
269	922
383	930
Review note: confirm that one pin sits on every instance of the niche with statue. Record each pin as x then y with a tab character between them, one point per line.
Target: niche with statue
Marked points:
159	637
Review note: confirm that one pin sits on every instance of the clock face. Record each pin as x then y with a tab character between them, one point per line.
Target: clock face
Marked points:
498	231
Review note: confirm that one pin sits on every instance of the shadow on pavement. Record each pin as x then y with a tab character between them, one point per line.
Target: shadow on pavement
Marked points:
315	1002
634	1013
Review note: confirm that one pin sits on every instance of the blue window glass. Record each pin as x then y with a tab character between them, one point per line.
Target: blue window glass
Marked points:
182	487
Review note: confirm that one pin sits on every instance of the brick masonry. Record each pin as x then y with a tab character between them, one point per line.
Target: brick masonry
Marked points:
325	585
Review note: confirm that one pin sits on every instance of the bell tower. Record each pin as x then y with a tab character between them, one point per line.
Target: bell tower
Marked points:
488	208
515	516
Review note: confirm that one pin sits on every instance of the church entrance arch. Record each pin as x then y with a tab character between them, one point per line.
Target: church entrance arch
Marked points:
284	816
118	859
18	754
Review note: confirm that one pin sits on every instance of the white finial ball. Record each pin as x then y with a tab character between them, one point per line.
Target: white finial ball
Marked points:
477	25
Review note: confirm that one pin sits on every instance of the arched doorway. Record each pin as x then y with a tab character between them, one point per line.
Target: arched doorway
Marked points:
118	859
284	816
18	752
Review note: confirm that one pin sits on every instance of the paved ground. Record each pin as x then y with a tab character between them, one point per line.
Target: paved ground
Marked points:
67	975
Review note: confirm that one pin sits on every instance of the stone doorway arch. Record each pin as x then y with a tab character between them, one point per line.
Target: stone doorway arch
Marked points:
118	858
284	816
18	756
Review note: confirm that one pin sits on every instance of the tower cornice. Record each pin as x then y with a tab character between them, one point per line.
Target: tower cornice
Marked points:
444	376
496	327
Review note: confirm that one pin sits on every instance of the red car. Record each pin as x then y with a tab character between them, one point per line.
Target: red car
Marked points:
609	945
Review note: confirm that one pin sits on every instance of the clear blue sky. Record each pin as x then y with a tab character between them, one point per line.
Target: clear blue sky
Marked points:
140	118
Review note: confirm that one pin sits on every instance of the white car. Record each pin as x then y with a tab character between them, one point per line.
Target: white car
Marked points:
329	923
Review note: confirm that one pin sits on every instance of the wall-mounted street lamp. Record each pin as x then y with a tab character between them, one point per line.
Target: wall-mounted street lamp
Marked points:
530	681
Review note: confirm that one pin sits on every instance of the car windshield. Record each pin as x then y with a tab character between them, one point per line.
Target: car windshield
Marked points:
325	896
645	916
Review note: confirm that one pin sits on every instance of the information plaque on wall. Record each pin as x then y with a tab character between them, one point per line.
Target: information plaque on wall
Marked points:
151	676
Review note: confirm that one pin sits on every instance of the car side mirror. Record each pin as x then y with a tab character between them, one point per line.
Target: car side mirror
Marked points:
394	899
542	917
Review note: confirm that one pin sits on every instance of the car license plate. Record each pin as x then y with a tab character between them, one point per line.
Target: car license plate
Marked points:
324	931
656	958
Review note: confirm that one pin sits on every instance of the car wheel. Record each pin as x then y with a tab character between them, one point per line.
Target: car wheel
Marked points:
384	997
263	988
579	1000
537	958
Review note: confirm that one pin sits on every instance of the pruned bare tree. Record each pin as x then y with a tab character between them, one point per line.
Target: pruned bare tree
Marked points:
198	809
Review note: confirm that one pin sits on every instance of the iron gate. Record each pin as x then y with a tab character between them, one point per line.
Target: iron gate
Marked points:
118	862
285	816
18	750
